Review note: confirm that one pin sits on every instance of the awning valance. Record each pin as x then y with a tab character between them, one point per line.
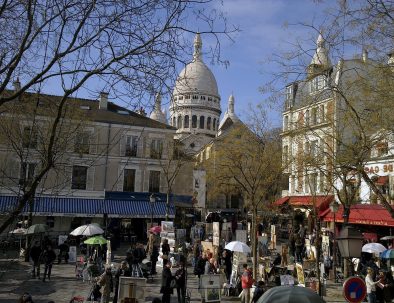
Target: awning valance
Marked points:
366	214
320	202
80	207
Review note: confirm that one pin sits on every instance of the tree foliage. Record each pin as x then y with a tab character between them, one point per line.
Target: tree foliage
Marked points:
129	47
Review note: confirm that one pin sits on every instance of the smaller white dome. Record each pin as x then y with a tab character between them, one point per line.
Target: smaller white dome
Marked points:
157	114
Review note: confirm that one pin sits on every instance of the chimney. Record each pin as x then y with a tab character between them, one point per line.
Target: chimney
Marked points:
141	111
103	103
365	55
390	60
17	85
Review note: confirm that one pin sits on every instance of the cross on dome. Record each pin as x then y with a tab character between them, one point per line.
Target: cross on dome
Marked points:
197	47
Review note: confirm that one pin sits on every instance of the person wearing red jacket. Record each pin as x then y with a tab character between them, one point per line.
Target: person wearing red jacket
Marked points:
247	283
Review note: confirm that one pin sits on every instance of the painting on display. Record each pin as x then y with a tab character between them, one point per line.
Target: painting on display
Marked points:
167	226
131	289
300	274
212	287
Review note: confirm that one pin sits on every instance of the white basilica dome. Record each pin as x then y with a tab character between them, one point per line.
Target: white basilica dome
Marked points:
196	77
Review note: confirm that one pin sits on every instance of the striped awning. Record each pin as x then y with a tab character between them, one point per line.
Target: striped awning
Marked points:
80	207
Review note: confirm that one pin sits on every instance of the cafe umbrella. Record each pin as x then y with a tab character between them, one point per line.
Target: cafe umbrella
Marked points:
373	248
37	229
87	230
238	246
96	240
19	232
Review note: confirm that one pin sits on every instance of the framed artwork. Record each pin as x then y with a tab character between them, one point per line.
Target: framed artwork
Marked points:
131	288
167	226
212	295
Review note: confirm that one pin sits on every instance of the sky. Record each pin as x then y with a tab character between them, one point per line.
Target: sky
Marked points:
268	27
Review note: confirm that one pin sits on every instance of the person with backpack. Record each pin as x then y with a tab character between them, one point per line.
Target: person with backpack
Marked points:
247	283
105	281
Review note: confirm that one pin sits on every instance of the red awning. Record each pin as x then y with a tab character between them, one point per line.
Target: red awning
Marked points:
281	201
320	202
368	214
382	180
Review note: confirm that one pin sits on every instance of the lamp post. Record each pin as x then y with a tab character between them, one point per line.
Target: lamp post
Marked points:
350	242
334	206
152	200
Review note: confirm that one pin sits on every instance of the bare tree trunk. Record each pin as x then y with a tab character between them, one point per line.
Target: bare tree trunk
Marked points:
254	241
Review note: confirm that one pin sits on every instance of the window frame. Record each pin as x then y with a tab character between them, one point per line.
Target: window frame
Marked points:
76	180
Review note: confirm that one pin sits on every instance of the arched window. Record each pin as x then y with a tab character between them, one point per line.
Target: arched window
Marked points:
194	121
186	122
209	123
202	122
214	124
217	124
179	122
173	121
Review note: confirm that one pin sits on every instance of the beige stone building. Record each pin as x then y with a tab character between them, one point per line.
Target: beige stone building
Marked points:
101	148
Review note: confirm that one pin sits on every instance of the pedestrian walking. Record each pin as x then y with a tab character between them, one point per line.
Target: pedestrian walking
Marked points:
105	281
180	277
371	286
247	282
166	279
123	271
35	253
48	257
165	247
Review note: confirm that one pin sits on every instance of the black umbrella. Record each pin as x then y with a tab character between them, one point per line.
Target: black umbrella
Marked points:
290	294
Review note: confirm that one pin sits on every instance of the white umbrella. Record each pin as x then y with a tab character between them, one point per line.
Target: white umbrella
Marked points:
387	238
87	230
238	246
373	248
19	232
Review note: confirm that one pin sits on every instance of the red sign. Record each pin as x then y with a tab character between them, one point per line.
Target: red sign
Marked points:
354	290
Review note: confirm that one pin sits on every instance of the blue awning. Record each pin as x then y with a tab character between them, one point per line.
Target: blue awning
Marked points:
138	209
80	207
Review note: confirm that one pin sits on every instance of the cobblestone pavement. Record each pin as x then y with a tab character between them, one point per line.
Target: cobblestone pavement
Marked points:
15	279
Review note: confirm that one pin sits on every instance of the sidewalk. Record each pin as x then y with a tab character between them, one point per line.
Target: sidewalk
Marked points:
15	279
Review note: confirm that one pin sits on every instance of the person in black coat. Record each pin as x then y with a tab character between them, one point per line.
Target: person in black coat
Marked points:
35	253
166	279
48	257
258	291
165	247
153	258
180	277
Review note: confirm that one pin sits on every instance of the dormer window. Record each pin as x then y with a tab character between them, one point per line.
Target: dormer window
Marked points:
318	83
187	97
180	98
209	99
202	97
195	97
382	149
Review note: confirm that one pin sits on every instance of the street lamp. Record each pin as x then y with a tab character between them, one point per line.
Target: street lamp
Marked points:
350	242
152	200
334	206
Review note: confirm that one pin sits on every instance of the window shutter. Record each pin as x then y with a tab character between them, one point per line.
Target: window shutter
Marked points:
90	178
119	185
122	145
93	142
